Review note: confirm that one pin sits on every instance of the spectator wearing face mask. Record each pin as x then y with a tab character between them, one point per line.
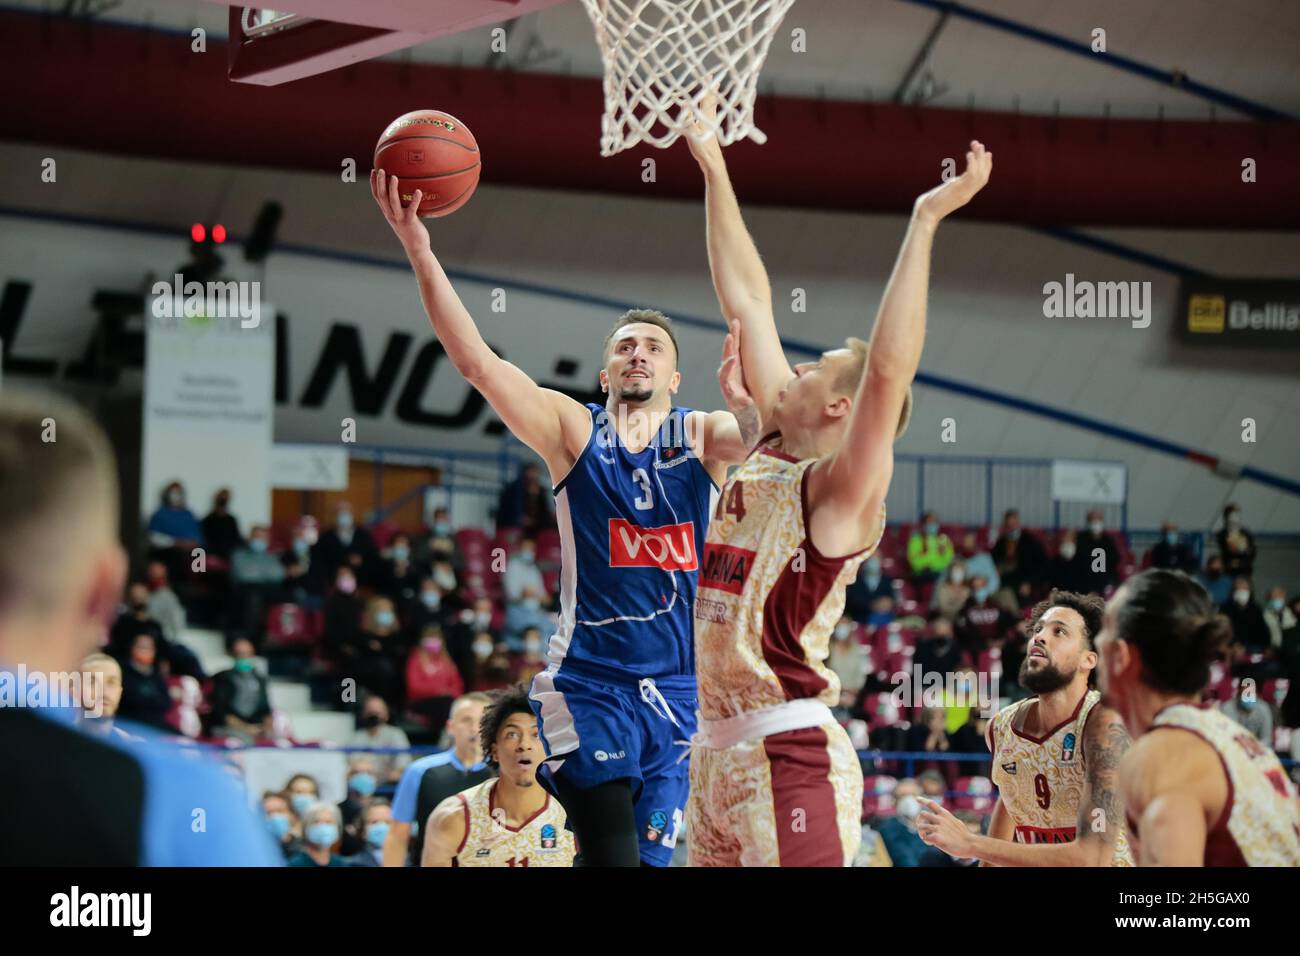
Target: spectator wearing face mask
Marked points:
101	696
375	824
1020	558
374	730
1217	584
220	528
457	769
282	823
533	659
1277	617
497	671
463	632
145	698
870	593
936	651
979	563
241	702
400	579
1171	552
342	611
437	545
1252	713
303	792
1069	569
899	831
848	658
301	585
322	831
256	578
981	621
952	593
345	545
381	653
174	531
361	786
164	606
525	594
432	678
929	550
927	735
134	618
1249	629
1236	544
1099	553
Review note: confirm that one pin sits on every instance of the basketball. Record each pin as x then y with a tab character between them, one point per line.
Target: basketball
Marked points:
433	152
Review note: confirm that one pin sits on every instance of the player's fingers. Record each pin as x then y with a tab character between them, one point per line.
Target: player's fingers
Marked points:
413	211
394	196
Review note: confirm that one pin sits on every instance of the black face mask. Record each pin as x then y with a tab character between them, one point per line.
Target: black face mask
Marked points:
371	720
139	606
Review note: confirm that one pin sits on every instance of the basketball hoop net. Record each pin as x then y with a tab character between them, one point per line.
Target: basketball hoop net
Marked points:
662	57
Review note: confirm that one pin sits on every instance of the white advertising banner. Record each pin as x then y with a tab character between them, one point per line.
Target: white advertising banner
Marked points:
309	467
209	408
1095	482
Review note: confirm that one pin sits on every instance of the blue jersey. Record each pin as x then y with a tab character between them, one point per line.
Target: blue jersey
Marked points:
632	529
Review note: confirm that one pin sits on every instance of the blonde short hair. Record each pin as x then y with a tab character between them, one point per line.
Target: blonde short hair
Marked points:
850	377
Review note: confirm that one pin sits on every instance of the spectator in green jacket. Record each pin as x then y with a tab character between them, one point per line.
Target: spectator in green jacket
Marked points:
929	551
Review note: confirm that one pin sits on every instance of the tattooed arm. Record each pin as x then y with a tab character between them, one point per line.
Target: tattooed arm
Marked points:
1101	809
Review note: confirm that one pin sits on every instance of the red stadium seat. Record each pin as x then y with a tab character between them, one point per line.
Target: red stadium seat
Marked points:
288	625
973	793
990	661
472	541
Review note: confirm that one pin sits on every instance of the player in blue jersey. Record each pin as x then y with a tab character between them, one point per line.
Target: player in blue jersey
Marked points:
635	483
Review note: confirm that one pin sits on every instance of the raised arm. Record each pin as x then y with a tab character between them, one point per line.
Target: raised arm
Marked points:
549	422
739	277
856	477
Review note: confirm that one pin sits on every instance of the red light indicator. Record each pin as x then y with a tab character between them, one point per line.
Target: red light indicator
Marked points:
218	233
196	232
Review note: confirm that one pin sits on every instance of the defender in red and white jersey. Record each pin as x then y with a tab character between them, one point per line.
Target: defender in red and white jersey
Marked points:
1055	756
774	778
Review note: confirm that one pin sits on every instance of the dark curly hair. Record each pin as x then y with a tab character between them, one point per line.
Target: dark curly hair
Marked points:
505	704
1091	607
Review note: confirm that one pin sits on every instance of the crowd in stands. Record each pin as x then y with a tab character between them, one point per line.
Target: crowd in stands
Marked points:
417	619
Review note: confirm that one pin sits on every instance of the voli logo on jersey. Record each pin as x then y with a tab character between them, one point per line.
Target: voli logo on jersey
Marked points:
670	547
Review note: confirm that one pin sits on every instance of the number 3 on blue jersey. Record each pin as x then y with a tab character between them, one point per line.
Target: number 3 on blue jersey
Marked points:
641	478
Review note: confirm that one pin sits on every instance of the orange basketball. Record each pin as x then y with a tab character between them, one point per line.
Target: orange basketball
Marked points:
434	152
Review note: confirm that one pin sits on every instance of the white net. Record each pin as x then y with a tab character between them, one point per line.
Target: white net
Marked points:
662	57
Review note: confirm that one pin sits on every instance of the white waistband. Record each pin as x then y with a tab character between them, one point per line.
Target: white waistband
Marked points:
792	715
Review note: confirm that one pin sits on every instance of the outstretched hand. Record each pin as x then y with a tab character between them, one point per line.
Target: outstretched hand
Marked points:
700	137
952	195
731	375
405	220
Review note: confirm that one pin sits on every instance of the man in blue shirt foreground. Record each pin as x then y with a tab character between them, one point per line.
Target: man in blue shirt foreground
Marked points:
73	798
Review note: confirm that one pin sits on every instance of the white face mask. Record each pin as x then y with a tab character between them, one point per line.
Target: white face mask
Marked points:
482	650
1067	550
843	630
1241	596
1096	527
908	807
958	575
